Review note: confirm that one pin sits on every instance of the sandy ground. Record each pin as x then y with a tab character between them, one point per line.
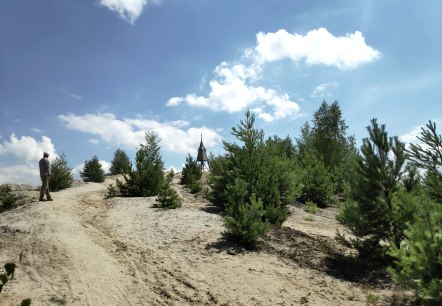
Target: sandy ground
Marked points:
83	249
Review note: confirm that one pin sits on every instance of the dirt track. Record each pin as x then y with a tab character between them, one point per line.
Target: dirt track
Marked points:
81	249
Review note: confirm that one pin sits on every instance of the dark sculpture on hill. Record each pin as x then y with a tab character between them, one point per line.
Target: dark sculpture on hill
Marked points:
202	156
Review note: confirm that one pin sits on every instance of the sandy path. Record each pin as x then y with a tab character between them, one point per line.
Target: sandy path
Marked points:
84	250
61	263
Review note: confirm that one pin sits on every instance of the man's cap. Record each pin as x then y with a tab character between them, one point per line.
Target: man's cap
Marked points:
45	154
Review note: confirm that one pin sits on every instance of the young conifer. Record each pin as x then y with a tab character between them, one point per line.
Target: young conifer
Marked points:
120	163
146	179
61	174
369	214
92	171
191	175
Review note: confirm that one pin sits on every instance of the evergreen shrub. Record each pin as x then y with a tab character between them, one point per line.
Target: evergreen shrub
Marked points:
147	177
167	196
61	174
120	163
92	171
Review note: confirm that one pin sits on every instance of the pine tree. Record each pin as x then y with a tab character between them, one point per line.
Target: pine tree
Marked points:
369	213
146	179
268	172
61	174
243	220
412	178
167	196
418	263
429	157
120	163
191	175
92	171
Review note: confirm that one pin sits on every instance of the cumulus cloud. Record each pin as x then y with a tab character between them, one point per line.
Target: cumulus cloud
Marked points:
232	92
316	47
25	152
129	132
233	86
129	10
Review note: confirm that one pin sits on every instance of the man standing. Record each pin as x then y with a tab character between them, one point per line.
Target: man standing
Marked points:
45	174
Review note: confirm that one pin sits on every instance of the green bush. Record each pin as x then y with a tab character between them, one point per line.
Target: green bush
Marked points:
92	171
61	174
7	198
243	220
147	178
167	196
120	163
311	207
111	191
418	258
317	185
191	175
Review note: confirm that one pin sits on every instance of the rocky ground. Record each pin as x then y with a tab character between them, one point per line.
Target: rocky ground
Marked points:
84	249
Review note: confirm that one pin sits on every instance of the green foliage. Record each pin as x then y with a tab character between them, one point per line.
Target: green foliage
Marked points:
412	179
317	185
428	156
120	163
61	174
264	165
9	274
309	218
111	191
92	171
243	220
7	198
369	214
167	196
326	140
311	207
418	258
147	178
191	175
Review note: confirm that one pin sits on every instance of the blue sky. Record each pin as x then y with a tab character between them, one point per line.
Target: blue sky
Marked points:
88	77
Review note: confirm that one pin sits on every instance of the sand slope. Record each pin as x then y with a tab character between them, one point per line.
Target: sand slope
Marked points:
83	249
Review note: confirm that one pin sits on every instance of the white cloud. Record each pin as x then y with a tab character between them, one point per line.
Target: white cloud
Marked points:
74	96
20	174
26	152
316	47
26	148
322	90
129	133
129	10
411	137
233	86
232	92
94	141
36	130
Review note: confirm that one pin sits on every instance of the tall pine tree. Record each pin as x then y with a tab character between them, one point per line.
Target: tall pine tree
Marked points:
369	214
